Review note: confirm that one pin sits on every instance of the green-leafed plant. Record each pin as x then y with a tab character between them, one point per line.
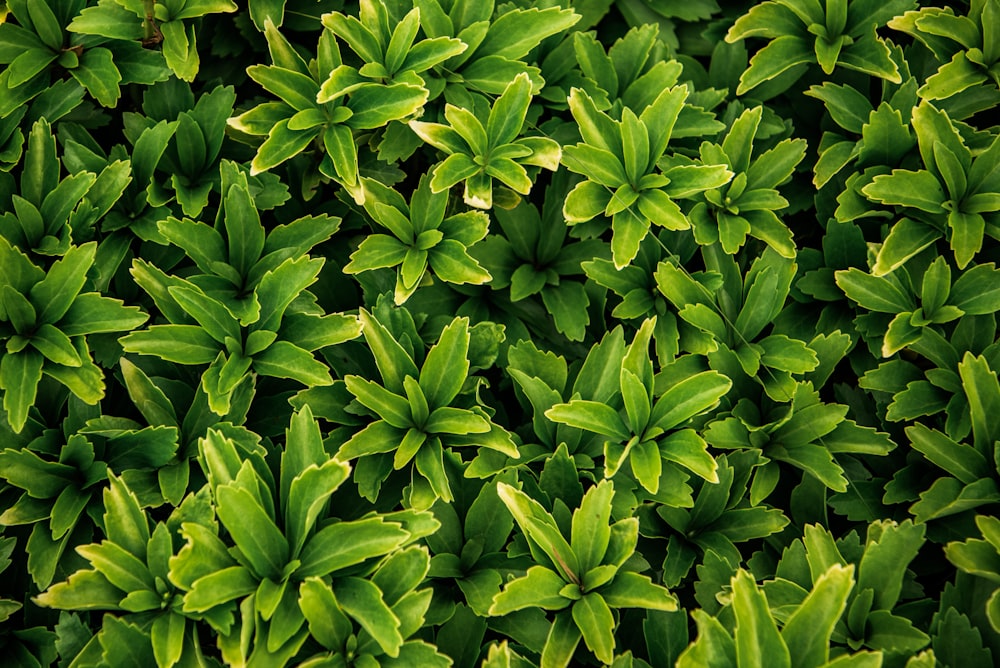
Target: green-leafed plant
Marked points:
952	196
533	256
649	438
250	310
753	636
746	205
803	32
168	24
499	334
423	239
966	45
625	180
481	147
45	322
417	420
320	104
587	574
980	557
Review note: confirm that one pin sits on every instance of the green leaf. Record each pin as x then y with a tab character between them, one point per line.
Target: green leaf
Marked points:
596	127
900	334
121	568
646	463
392	360
54	294
661	116
514	33
338	140
847	107
952	171
124	521
540	527
872	292
41	479
561	642
98	73
375	106
966	235
906	238
220	587
593	617
590	530
689	180
167	638
362	600
977	290
327	623
454	169
780	352
772	275
738	143
258	538
213	317
267	15
345	544
952	78
960	460
20	374
743	524
632	590
202	243
689	397
148	398
447	420
713	648
975	556
586	200
758	642
508	112
920	190
83	590
983	391
283	359
279	287
661	209
451	262
687	448
893	633
92	313
779	56
539	587
628	231
591	416
568	305
890	548
282	144
636	398
308	494
376	438
807	632
596	164
392	408
183	344
296	89
635	145
55	346
243	229
947	496
446	365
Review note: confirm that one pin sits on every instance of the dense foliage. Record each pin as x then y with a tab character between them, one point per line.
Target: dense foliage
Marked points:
499	334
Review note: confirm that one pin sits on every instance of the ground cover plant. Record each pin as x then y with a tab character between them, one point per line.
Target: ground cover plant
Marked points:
499	334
